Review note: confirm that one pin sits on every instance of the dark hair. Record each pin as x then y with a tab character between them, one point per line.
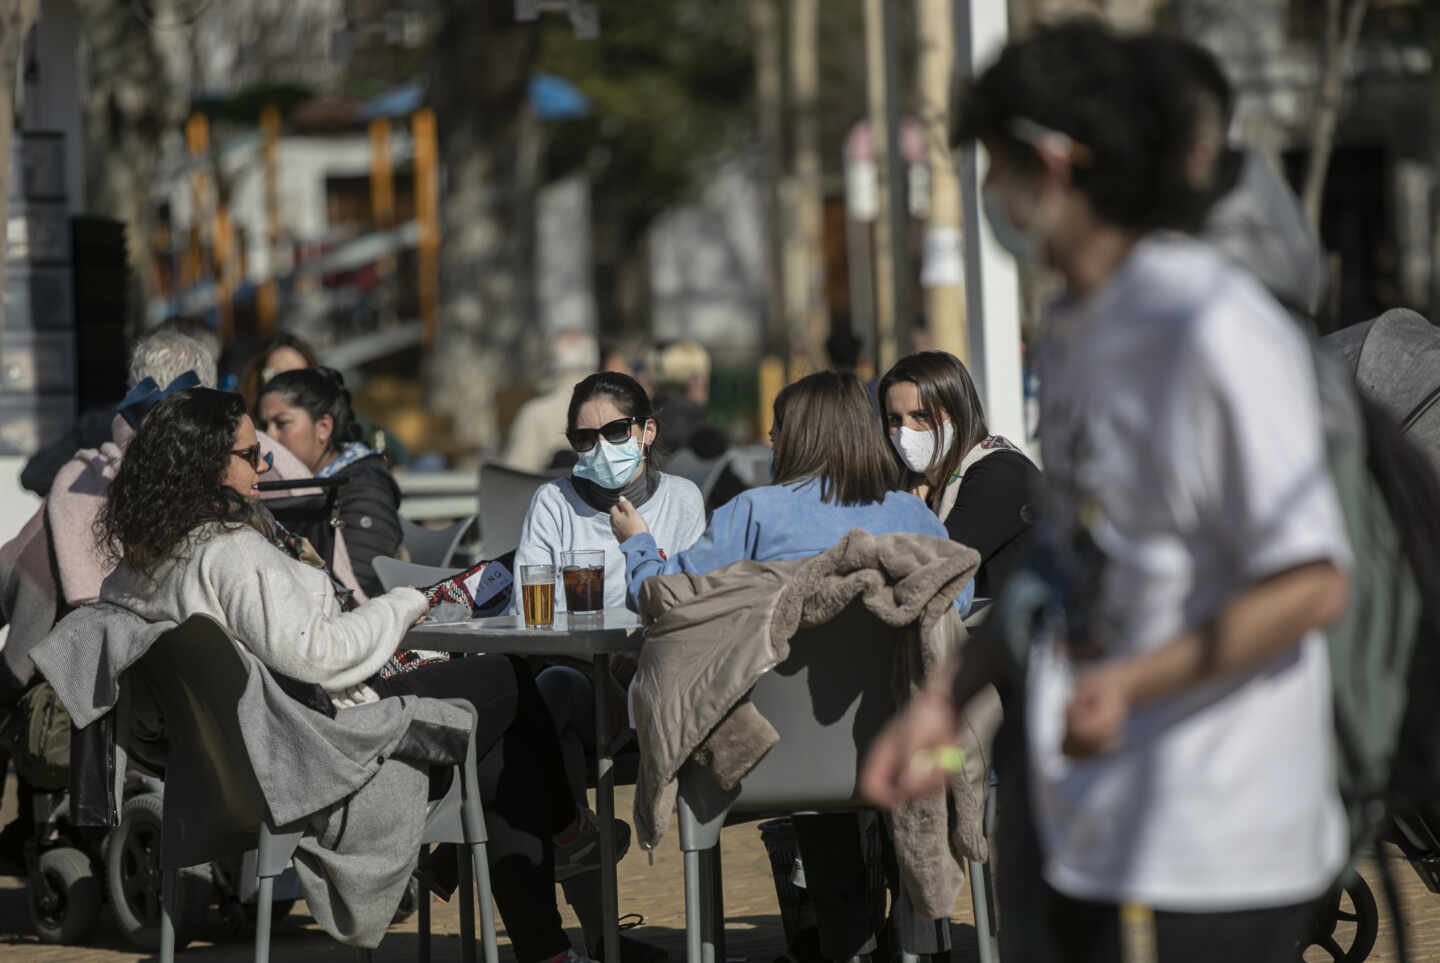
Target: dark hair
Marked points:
252	379
842	347
1132	113
627	396
1200	67
172	478
824	429
319	392
945	387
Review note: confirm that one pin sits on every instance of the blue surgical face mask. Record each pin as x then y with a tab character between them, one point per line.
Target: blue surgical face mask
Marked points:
1023	246
610	466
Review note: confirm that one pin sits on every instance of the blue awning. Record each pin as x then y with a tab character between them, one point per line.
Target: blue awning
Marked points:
551	97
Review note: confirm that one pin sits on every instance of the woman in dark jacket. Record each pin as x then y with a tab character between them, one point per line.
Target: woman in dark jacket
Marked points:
308	411
979	484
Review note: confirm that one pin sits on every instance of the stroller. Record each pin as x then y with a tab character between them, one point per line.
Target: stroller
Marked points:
77	861
97	840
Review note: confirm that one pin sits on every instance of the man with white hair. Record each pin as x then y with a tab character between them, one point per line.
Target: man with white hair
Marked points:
54	564
161	355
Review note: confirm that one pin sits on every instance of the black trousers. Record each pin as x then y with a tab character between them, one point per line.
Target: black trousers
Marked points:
1085	932
522	786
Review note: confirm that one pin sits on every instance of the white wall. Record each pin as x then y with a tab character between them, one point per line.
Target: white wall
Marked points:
303	164
708	274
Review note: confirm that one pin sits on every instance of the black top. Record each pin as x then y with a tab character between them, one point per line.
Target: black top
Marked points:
370	510
992	515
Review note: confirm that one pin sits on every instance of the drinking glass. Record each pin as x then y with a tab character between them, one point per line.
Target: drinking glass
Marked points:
537	593
584	573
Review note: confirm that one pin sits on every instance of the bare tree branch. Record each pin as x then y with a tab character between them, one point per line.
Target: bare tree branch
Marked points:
1340	42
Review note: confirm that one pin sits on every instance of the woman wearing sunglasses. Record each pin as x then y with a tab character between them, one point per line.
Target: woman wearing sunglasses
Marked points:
611	427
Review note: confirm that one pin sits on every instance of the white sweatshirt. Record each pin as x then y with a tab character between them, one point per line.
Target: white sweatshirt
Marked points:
281	609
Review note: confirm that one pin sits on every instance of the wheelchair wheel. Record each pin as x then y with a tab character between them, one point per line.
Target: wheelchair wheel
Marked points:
65	899
133	878
1347	931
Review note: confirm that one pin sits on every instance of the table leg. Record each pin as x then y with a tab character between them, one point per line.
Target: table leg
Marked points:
605	810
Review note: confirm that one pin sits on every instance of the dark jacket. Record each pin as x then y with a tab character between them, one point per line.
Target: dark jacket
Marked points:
370	512
992	515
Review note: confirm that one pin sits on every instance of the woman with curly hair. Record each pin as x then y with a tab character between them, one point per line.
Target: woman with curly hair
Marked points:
183	526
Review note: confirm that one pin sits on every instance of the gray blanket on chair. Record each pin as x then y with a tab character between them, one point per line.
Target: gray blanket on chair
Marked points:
357	781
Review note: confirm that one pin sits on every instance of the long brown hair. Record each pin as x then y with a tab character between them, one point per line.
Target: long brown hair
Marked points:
946	392
823	430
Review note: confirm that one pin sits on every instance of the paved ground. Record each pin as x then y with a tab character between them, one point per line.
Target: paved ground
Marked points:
753	922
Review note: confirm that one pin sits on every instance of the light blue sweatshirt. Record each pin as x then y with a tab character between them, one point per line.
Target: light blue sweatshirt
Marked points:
777	523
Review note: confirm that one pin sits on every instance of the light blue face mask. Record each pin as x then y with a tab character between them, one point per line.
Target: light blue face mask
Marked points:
1022	246
610	466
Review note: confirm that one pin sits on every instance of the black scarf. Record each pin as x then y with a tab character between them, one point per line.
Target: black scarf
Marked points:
638	490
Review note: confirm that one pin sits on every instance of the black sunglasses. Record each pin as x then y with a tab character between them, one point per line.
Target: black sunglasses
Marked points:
615	432
251	454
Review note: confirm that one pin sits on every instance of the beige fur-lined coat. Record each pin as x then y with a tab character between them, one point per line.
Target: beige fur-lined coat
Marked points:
710	637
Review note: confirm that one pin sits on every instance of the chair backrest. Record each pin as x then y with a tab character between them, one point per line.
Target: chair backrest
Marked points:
505	495
213	805
750	464
434	546
393	573
828	701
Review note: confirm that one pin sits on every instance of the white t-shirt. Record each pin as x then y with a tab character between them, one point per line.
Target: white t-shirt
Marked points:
559	520
1185	461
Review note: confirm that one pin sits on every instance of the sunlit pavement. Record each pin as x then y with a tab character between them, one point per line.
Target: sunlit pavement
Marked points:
656	892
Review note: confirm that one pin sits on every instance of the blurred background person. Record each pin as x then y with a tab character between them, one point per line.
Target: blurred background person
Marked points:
308	411
282	353
680	374
537	435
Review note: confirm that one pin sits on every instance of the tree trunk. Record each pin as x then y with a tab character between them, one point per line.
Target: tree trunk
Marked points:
480	70
132	97
1343	19
807	315
887	279
769	33
16	19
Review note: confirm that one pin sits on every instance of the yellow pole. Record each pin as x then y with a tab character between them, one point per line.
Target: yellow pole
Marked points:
197	143
944	275
382	182
268	303
225	259
427	212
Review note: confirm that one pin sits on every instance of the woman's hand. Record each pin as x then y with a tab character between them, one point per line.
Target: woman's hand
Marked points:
1099	706
625	521
921	491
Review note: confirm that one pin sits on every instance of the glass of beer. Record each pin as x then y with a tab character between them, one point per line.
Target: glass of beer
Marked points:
584	574
537	593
